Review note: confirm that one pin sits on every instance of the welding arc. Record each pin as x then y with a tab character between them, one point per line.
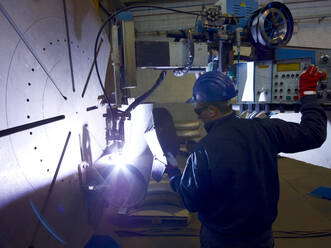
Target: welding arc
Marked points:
103	26
34	54
50	190
30	125
68	43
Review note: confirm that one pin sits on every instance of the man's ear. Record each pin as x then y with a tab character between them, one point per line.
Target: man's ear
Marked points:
212	110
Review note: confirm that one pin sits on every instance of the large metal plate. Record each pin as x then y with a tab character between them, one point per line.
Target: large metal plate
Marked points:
28	159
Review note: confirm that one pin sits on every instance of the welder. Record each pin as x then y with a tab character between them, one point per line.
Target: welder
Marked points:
231	177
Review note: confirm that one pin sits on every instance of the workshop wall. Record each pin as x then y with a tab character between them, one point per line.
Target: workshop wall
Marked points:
312	23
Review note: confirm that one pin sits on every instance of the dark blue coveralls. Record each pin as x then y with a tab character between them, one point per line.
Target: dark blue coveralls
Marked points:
231	179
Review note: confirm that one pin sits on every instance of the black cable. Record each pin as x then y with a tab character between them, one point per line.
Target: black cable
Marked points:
164	8
146	94
301	234
193	233
161	233
124	114
104	9
96	47
190	57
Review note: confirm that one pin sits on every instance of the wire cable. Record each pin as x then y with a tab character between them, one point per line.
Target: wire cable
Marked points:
189	232
190	57
146	94
301	234
111	17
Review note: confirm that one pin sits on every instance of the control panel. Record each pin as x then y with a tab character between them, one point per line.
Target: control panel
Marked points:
323	59
285	80
276	83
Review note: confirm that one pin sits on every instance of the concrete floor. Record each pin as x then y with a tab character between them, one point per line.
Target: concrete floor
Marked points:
298	211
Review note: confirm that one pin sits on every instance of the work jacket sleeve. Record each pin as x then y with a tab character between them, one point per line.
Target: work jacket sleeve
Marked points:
194	185
310	133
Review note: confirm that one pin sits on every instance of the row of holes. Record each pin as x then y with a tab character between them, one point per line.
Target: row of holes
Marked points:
28	100
35	148
51	43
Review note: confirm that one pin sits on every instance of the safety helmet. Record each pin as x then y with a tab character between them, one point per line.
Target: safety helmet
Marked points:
213	86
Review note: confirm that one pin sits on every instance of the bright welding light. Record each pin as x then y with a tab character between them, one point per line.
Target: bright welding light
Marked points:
118	160
113	159
113	156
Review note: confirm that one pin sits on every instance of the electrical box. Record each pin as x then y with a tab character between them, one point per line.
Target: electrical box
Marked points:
323	59
170	55
254	82
263	81
277	82
245	82
239	8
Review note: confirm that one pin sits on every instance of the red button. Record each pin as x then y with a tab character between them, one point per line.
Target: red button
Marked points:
295	98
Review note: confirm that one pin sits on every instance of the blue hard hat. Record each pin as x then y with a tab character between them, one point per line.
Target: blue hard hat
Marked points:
213	86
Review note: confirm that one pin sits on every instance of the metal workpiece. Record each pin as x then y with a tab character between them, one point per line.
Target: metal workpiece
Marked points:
36	119
29	47
69	46
127	170
28	126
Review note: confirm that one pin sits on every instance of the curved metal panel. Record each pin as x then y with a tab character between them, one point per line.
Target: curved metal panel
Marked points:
35	74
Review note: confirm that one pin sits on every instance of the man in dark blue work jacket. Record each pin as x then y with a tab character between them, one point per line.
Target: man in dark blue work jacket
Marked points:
231	178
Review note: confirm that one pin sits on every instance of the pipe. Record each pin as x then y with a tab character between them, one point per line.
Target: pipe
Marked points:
308	1
177	7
